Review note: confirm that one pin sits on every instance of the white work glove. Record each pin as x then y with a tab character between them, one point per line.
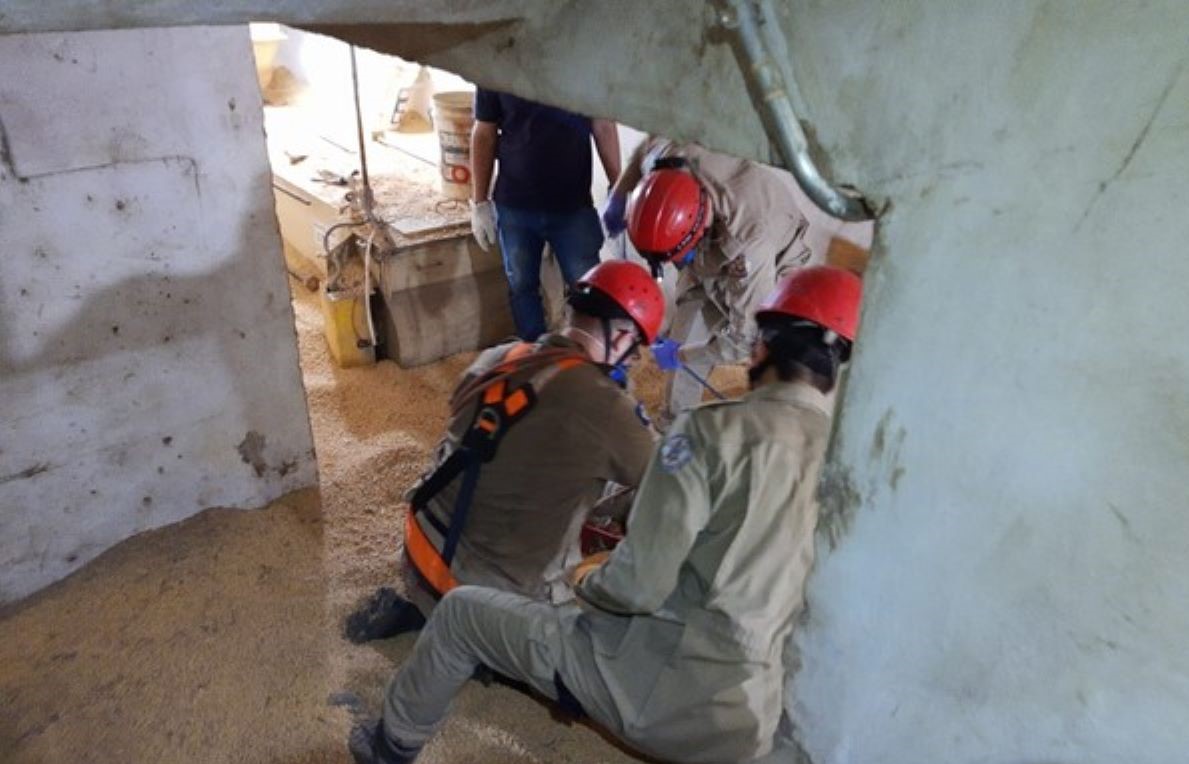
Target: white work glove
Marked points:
483	224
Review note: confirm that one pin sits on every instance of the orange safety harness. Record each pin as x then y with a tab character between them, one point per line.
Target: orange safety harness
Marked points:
499	409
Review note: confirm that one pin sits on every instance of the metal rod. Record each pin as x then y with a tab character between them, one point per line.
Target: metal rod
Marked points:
367	186
702	381
760	69
778	48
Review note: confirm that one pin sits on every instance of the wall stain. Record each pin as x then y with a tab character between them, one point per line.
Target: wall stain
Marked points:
879	440
189	166
27	473
838	499
839	496
251	451
1123	521
7	163
885	449
1140	138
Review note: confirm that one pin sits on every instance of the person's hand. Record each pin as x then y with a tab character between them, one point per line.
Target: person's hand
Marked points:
665	352
483	224
587	566
614	218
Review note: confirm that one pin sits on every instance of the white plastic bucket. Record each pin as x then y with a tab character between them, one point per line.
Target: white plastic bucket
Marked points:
454	115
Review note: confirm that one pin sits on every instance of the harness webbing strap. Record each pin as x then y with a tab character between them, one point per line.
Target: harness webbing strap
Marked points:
441	477
462	507
497	411
543	359
425	557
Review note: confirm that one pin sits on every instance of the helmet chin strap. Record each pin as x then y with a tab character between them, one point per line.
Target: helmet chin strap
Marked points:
594	340
615	368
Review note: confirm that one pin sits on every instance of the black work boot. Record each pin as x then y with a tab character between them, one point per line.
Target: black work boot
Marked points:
385	614
369	745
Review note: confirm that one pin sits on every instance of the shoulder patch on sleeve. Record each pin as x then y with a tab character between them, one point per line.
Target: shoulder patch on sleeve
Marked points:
676	452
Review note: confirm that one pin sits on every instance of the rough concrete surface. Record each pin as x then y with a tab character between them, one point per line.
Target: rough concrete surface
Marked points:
218	639
144	327
1005	577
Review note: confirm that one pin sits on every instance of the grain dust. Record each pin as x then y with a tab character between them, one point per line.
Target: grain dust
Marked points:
218	639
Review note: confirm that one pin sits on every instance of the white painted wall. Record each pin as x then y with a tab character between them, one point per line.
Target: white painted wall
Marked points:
145	325
322	66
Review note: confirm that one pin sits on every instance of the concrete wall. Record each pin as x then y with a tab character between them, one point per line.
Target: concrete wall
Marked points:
148	361
1001	574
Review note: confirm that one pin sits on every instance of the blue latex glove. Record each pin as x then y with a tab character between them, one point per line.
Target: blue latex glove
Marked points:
614	217
664	351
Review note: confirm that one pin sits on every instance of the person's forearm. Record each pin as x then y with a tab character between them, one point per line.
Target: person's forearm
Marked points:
671	508
606	138
631	174
484	139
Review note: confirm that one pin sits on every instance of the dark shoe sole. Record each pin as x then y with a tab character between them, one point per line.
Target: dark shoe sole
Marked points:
383	615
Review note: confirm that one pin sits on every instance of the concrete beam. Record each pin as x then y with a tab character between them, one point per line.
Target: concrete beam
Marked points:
660	66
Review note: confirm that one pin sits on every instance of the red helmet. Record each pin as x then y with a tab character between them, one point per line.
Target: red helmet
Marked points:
827	296
630	287
667	214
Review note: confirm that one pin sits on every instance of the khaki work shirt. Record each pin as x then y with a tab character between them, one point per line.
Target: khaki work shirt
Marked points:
692	611
522	532
757	236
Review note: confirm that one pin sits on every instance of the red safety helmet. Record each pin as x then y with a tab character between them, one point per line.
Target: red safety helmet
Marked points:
827	296
668	214
630	287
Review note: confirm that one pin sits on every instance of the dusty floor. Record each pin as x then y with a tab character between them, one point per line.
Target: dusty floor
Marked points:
217	639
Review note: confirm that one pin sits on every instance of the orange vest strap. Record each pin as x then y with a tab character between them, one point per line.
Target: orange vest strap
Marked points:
497	411
518	351
517	402
425	557
518	358
494	392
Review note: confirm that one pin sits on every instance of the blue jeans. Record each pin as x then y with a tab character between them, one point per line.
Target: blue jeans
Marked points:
575	237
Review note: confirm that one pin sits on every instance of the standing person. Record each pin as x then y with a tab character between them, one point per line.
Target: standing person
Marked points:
732	227
542	193
536	431
679	648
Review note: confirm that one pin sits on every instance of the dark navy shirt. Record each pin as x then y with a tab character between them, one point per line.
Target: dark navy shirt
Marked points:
544	153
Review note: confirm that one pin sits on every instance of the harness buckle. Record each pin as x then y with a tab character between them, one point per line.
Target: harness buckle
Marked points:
488	421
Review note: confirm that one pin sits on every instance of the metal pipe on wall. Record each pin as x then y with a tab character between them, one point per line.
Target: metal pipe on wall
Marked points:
764	74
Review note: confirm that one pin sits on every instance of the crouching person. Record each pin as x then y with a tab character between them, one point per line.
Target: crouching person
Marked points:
678	647
536	431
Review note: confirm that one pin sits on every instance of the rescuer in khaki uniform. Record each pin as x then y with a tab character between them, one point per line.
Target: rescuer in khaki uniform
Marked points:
536	432
678	646
732	227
